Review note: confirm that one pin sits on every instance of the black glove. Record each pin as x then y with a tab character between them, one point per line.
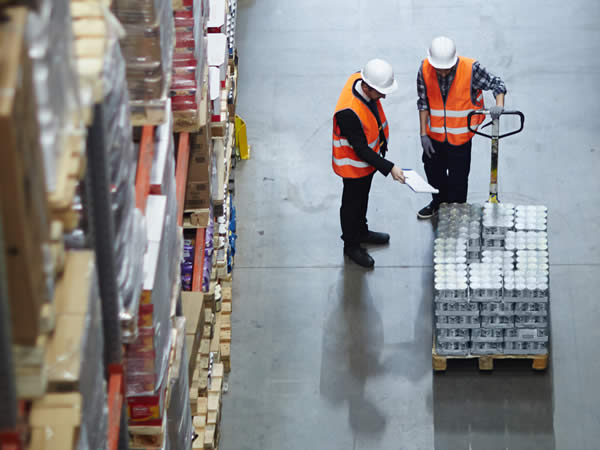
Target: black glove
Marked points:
427	146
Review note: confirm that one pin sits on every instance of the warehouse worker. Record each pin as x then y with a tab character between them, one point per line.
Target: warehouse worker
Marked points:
449	87
360	142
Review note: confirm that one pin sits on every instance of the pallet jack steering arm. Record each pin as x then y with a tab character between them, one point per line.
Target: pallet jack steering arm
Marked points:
495	137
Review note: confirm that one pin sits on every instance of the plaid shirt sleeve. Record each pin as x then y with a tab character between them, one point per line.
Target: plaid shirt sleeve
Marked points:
422	101
485	81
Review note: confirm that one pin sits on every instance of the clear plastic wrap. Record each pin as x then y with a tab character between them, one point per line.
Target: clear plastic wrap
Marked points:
148	50
137	11
50	40
75	355
179	414
189	63
147	357
92	384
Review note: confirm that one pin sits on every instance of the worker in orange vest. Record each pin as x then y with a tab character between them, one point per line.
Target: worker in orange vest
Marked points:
449	87
360	142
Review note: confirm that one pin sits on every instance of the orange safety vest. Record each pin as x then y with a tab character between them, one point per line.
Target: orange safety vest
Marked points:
448	121
345	161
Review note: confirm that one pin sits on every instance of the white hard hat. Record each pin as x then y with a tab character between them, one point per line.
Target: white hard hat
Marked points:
442	53
379	75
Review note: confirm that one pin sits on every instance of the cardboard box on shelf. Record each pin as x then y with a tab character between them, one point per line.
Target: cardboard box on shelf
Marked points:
197	195
216	45
147	409
217	16
22	194
214	93
199	166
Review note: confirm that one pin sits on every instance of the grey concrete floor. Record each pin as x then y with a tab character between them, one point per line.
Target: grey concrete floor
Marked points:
328	356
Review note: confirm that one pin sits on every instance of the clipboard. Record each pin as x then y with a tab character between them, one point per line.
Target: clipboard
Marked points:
417	183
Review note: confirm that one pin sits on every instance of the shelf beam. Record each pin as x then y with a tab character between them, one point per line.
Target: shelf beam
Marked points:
181	170
115	404
144	168
198	260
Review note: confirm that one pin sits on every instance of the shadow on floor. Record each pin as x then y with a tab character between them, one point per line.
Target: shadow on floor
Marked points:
352	344
509	408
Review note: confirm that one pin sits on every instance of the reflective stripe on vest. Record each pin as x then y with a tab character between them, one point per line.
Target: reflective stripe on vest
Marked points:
350	162
449	121
344	160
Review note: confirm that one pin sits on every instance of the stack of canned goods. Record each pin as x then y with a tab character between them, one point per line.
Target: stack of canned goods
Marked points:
531	217
491	279
498	218
485	289
455	314
462	221
526	240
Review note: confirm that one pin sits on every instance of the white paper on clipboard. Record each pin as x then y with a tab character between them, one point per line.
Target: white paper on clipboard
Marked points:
417	183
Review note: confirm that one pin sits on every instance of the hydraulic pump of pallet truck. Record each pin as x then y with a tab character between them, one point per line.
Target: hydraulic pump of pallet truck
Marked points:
495	137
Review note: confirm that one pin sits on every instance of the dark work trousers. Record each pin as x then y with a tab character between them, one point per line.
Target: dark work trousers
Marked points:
448	170
353	212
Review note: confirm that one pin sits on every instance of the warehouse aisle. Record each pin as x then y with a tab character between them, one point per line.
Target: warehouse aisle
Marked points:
328	356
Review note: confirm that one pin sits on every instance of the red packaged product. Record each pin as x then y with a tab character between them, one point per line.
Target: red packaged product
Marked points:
184	14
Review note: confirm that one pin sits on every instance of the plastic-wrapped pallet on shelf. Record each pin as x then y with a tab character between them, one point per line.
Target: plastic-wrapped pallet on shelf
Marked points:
190	75
491	283
147	356
148	50
62	135
74	407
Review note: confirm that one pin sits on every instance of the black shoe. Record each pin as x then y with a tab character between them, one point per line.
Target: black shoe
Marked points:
428	212
360	256
374	237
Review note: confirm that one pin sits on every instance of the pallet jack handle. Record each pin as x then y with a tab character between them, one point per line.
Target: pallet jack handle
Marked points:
492	136
495	137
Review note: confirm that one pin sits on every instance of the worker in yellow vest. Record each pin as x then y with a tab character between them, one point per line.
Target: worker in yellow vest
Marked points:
449	87
360	142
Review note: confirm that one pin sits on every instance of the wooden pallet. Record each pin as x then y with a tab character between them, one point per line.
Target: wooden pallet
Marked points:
71	168
31	369
195	218
193	122
486	362
142	437
147	115
219	129
91	45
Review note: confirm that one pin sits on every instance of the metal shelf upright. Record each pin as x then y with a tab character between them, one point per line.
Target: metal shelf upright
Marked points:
101	223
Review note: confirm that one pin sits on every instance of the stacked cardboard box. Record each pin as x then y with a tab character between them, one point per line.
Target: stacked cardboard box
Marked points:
22	182
206	368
